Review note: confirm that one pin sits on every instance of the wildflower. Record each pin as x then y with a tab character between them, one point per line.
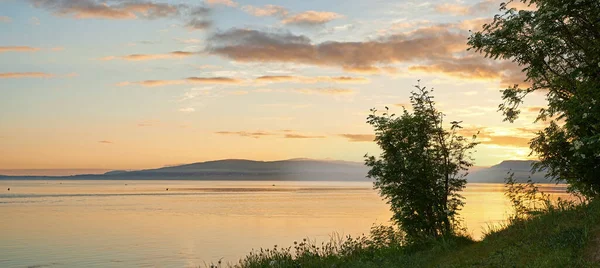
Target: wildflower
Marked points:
577	144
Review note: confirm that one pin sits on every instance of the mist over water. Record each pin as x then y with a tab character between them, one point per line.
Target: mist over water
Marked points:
189	223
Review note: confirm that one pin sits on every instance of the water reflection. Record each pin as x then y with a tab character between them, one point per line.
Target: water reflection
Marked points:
139	223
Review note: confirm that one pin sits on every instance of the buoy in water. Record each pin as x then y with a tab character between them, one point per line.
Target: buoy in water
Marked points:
9	189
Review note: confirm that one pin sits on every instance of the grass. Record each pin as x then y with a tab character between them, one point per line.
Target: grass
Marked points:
558	237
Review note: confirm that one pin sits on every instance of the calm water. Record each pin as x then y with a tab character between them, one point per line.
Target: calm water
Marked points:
142	224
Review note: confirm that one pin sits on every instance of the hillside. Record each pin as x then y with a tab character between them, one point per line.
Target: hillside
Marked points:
497	173
299	169
239	169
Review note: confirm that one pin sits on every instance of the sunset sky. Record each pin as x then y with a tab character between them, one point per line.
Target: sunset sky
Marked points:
109	84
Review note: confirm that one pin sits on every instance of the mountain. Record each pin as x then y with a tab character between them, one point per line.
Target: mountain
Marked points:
497	173
239	169
299	169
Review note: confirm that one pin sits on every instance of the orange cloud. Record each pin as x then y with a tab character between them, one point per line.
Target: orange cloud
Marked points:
189	80
222	2
325	91
92	9
267	10
5	19
256	134
287	134
142	57
369	69
18	49
311	17
533	109
475	67
126	10
459	9
213	80
358	137
245	45
26	75
300	136
514	137
310	80
157	83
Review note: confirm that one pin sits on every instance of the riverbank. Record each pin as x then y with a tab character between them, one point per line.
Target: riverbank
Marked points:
559	237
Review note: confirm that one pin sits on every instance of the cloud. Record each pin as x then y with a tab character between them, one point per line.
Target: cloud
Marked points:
325	91
512	137
533	109
474	67
245	45
187	110
34	21
198	24
105	142
213	80
26	75
473	24
358	137
87	9
222	2
57	49
18	49
370	69
124	10
310	80
286	134
267	10
306	18
300	136
154	83
256	134
506	141
238	92
311	17
142	57
189	80
461	10
5	19
148	123
188	41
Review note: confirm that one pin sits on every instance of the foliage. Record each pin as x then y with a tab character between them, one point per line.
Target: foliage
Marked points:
526	198
560	237
422	167
338	251
558	46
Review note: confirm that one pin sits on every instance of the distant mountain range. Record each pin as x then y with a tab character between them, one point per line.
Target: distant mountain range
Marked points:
286	170
497	173
237	169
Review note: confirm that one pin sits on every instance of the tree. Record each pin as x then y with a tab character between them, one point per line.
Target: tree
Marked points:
422	167
558	46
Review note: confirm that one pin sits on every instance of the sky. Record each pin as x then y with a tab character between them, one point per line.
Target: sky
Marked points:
117	84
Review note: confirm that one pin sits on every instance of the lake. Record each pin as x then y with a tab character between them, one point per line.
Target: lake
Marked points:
87	223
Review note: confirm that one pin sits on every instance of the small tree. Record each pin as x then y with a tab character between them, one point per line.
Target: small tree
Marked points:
558	46
422	167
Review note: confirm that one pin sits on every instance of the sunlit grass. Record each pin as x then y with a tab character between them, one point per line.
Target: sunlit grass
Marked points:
557	237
